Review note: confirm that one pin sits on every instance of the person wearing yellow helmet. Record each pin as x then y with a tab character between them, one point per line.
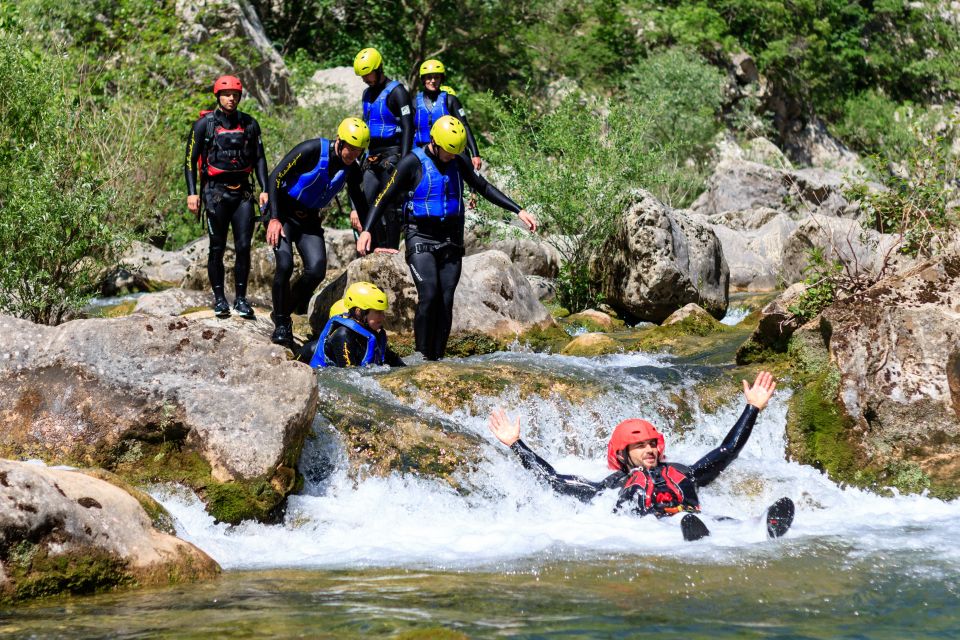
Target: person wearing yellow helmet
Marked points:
354	333
307	179
430	181
436	101
389	114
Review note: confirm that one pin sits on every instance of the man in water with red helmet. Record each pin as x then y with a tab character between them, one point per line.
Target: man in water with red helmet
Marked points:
647	483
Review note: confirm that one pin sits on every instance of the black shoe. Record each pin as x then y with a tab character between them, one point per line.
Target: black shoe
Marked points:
283	334
243	308
221	308
779	517
693	528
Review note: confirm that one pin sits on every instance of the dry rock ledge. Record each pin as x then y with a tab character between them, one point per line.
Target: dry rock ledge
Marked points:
159	400
69	532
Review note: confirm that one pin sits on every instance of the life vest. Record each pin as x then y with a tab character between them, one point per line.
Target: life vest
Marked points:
376	347
227	150
425	117
438	195
383	124
661	492
315	188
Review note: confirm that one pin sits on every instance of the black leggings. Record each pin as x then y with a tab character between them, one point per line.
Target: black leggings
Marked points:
226	207
313	251
436	274
386	232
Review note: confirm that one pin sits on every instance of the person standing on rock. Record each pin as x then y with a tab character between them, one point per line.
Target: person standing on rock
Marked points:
436	101
354	334
388	113
647	483
431	181
303	183
226	145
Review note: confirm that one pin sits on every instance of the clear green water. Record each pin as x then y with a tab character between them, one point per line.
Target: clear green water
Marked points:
808	590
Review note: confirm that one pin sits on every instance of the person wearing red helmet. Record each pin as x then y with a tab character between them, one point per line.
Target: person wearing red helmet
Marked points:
647	483
224	148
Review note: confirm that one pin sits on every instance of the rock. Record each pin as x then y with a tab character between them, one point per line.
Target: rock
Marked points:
493	297
173	302
738	184
745	68
757	150
67	532
263	265
147	268
776	326
592	344
692	310
531	254
341	249
660	259
244	47
338	86
545	289
895	350
159	399
862	251
809	143
754	255
593	320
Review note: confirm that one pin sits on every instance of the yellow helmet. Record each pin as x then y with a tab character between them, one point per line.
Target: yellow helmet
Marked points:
367	60
354	131
365	295
448	90
431	66
339	308
450	134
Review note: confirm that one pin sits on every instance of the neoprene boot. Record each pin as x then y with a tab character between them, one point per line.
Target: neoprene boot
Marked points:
221	308
243	308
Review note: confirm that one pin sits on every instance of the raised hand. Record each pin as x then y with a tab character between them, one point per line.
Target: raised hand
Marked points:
762	390
505	430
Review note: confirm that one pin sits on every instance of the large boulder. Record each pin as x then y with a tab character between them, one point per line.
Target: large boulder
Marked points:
492	298
895	349
337	86
147	268
754	254
533	255
775	326
243	47
159	399
68	532
659	259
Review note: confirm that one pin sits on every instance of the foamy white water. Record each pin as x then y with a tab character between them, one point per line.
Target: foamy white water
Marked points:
508	515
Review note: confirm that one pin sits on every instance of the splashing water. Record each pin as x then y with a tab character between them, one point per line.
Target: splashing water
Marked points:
507	517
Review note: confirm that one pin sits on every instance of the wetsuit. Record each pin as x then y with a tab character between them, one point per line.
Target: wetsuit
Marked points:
344	347
389	114
434	245
664	490
231	148
430	107
298	192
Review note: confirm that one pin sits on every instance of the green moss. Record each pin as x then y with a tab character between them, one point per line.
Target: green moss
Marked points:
160	518
431	633
197	309
471	344
32	572
551	339
234	502
118	310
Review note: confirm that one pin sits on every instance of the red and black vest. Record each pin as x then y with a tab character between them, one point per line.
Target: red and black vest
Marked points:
228	151
664	490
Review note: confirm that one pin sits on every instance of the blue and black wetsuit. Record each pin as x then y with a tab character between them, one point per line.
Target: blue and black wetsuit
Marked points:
303	183
388	112
347	343
433	105
434	235
664	490
231	148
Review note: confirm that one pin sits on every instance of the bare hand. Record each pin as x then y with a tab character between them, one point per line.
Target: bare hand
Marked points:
355	221
762	390
264	199
505	430
363	243
528	219
193	204
274	231
477	163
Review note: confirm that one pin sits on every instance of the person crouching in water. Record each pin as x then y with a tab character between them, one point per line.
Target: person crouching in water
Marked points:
647	483
354	334
431	179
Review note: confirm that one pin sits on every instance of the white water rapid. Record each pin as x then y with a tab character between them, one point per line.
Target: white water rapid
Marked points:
509	518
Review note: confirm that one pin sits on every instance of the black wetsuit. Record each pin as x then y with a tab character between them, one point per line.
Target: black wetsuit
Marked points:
456	110
632	495
383	156
346	348
228	196
434	248
302	226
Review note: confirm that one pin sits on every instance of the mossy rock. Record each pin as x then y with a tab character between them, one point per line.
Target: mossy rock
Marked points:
451	386
431	633
550	339
593	321
592	344
118	310
33	572
704	339
462	345
159	516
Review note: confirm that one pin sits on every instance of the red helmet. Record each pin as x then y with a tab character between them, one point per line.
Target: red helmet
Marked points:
227	83
627	433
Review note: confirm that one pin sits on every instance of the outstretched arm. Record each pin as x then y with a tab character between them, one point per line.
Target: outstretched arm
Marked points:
508	432
707	468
